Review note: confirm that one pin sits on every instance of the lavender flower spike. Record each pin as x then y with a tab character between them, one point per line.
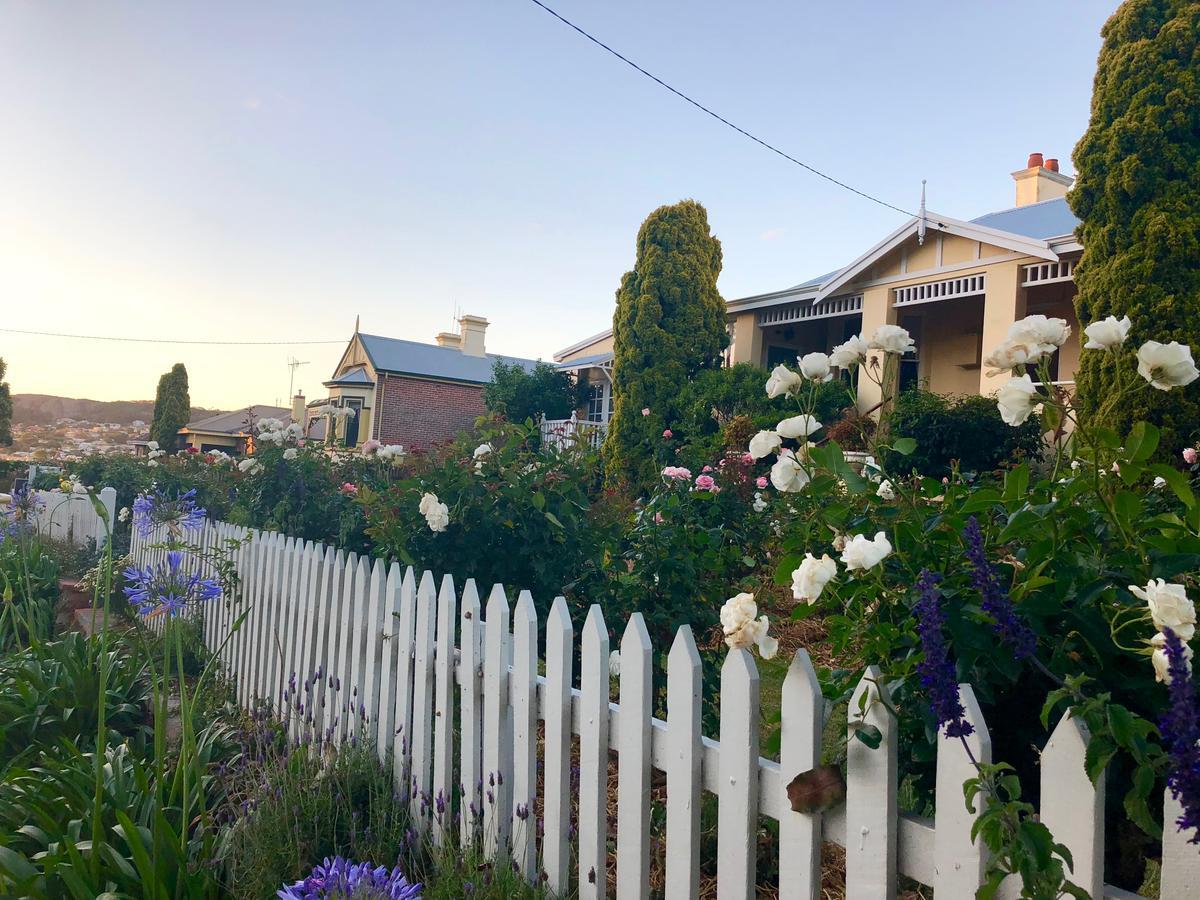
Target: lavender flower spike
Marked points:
1006	621
937	669
1180	727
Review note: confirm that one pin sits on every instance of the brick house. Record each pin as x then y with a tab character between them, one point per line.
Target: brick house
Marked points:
408	393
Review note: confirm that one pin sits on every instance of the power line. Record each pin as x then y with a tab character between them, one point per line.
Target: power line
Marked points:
136	340
719	118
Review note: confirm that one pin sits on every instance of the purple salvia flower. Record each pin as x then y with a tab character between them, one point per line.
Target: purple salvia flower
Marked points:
1180	727
1006	621
937	669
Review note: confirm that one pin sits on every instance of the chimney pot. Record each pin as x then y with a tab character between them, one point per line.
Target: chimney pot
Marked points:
1052	165
1035	161
449	339
472	329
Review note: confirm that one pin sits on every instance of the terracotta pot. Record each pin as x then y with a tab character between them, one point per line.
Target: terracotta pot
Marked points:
1035	161
1052	165
74	597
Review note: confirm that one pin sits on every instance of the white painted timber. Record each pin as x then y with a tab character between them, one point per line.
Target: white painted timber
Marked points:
525	735
470	717
443	716
1072	807
497	744
801	717
593	758
556	767
422	727
958	862
871	812
737	815
633	772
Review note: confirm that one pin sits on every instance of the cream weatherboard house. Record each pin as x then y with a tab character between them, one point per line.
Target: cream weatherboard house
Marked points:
955	285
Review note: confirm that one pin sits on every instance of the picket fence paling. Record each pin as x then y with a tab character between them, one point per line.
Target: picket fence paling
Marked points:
384	644
73	518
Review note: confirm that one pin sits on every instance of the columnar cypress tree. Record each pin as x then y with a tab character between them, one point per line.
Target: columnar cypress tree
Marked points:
1138	197
172	407
669	324
6	408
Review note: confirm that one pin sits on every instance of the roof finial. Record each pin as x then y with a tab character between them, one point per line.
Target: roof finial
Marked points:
356	324
921	219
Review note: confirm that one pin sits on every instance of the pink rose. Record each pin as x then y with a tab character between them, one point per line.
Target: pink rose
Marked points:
705	483
349	488
1189	456
747	459
658	519
667	434
645	410
707	469
761	482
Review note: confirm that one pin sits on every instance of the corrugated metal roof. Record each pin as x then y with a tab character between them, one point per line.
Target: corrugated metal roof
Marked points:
234	422
428	360
584	361
357	375
1044	220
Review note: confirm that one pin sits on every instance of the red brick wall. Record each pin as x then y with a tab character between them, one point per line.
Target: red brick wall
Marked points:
420	414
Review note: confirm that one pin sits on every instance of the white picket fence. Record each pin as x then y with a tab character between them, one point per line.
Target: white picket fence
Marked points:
457	686
72	517
563	433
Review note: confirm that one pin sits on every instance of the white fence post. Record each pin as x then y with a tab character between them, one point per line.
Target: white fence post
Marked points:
801	714
443	716
422	727
407	623
385	726
1180	859
593	758
958	862
737	815
684	760
525	735
470	679
497	744
633	761
1072	807
560	661
872	827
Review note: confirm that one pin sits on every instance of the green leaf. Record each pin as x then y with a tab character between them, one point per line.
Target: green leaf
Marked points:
1142	441
905	445
1177	482
539	501
552	519
869	735
1121	721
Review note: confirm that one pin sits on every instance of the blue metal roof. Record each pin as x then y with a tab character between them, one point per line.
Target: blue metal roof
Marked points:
356	376
430	361
1044	220
585	361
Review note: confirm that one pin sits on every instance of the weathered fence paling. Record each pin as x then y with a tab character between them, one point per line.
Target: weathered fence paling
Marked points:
73	518
350	649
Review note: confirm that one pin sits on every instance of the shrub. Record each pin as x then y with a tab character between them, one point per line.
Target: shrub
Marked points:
516	516
28	589
518	394
963	430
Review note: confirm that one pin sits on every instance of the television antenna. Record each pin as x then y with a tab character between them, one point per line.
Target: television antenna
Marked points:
293	364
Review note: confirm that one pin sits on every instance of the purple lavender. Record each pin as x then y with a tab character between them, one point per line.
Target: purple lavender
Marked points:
177	514
166	589
1006	622
338	877
937	669
1180	727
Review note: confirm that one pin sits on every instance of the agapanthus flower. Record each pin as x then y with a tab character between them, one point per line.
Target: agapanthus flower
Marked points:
1180	727
1006	621
24	505
937	669
338	877
166	589
177	514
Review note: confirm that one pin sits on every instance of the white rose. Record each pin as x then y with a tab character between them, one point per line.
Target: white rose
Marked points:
482	450
1160	660
796	427
291	453
811	577
1108	334
438	517
1169	606
151	445
892	339
123	515
759	503
1008	356
782	381
815	367
428	502
614	664
886	491
787	474
1166	365
852	353
1159	481
1040	333
1016	400
863	553
743	630
764	444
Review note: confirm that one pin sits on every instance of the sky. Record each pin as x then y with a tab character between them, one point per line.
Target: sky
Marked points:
221	171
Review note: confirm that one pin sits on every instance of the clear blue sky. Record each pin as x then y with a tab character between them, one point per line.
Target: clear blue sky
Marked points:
267	170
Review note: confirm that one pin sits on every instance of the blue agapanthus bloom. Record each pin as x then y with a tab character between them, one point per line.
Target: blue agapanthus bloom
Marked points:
338	877
179	513
166	589
1180	727
937	668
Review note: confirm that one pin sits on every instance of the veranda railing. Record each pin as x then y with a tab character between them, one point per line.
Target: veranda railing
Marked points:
455	686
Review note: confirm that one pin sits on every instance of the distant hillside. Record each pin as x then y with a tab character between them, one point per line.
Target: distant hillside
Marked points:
43	409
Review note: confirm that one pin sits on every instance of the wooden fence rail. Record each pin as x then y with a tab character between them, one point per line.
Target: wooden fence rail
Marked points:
456	687
73	518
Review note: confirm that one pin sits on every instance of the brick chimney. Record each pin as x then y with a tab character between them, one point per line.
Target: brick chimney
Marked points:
471	329
299	409
1040	180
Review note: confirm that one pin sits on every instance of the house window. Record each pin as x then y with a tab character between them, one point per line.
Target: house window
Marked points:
599	402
